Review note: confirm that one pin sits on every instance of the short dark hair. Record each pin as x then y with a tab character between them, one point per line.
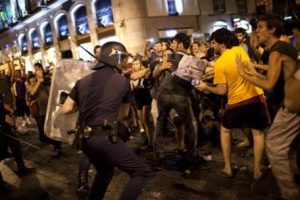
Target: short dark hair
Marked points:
169	49
273	21
183	38
30	76
96	47
224	36
240	30
39	65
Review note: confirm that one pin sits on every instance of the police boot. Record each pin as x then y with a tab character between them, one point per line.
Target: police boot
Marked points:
83	188
23	170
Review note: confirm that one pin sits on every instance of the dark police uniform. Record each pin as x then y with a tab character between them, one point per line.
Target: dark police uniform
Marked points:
98	97
6	137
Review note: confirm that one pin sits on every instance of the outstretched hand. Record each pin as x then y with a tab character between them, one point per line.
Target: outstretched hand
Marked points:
250	68
165	65
201	87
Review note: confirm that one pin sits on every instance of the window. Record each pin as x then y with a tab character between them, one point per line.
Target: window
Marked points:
219	6
48	39
81	21
172	10
241	6
104	13
23	44
6	15
62	27
35	39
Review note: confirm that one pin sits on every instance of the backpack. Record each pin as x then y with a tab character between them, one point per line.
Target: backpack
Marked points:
190	68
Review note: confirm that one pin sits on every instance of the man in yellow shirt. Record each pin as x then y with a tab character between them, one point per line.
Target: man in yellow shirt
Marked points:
246	104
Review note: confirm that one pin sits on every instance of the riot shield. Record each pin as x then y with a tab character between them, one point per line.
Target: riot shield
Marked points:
64	77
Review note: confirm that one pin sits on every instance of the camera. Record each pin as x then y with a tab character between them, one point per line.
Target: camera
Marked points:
150	41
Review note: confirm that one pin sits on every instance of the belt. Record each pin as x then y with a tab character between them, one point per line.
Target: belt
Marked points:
98	130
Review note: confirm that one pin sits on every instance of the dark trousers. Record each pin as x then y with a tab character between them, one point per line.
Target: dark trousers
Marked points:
182	105
13	144
105	155
42	136
83	171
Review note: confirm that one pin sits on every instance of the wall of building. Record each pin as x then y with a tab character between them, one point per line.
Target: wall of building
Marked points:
134	22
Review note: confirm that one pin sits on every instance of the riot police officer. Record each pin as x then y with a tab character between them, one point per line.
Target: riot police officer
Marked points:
7	135
99	97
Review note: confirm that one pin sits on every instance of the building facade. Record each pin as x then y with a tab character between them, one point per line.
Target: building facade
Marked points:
67	28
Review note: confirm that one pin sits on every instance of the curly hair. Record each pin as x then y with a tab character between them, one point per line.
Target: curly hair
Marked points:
273	21
226	37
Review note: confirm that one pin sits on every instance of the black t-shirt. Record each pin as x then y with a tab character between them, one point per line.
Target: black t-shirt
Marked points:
99	96
5	90
172	84
277	94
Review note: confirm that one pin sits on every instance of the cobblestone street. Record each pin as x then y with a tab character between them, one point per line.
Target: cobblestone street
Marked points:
56	178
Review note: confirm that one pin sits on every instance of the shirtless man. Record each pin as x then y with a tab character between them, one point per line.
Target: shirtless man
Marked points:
285	127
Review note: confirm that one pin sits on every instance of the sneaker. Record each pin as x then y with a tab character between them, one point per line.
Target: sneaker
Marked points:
83	191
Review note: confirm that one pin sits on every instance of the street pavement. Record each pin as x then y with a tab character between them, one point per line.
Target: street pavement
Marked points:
56	178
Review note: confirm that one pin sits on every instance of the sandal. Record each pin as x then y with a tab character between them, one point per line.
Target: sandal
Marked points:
264	173
226	175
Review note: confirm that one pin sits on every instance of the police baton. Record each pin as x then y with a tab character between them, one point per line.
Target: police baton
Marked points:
27	143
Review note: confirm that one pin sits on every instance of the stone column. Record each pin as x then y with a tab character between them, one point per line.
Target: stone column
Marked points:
55	39
41	43
29	45
72	33
129	23
92	24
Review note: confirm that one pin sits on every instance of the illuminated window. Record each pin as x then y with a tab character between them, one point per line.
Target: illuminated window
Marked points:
81	21
34	39
23	44
62	27
172	8
104	13
175	7
48	39
6	15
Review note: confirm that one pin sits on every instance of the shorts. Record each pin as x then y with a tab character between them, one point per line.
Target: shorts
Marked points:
252	113
21	107
142	98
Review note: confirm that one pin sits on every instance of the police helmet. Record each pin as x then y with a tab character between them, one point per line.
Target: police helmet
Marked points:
112	54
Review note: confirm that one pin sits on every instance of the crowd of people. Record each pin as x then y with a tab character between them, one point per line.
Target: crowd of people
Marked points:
200	90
